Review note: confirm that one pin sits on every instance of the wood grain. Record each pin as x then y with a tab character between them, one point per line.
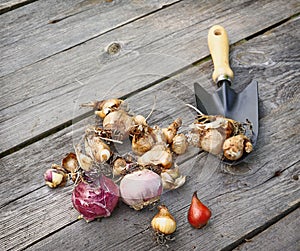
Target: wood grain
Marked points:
284	235
46	94
243	198
48	27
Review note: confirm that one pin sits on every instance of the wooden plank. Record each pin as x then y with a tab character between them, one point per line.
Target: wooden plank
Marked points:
44	28
51	97
242	198
283	235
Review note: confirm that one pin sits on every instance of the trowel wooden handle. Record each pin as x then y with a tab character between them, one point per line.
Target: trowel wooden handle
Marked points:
219	49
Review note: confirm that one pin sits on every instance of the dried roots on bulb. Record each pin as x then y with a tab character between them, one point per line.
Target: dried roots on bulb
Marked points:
142	137
211	132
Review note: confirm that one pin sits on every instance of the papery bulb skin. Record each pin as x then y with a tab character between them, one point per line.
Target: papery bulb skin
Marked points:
172	179
70	163
198	214
179	144
235	146
163	222
160	154
95	199
141	188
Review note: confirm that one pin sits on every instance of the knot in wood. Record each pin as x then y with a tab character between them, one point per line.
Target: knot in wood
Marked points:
113	48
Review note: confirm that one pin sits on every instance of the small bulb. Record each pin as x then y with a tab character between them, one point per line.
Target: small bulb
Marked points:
119	166
171	131
234	147
70	163
179	144
163	221
212	141
54	178
198	214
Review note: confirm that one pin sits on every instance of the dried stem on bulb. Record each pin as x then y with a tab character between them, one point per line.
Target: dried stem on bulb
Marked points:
104	107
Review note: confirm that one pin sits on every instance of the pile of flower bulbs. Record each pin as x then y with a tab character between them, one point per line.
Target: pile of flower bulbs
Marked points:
102	176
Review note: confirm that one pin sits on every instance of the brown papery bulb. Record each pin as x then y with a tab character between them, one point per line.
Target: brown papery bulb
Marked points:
163	222
142	143
70	163
198	214
212	141
97	149
119	122
172	179
179	144
104	107
235	146
172	129
119	166
158	155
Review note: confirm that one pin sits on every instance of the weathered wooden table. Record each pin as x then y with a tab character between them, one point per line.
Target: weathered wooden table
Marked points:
56	55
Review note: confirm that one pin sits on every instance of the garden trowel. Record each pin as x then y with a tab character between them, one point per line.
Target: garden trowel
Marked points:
242	106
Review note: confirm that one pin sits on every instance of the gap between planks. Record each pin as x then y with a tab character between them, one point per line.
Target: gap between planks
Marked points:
262	228
14	4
